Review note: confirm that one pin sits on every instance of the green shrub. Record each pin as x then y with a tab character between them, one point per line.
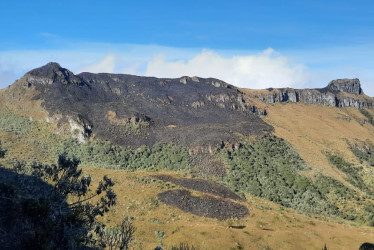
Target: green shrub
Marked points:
364	152
269	168
10	122
103	154
367	115
353	173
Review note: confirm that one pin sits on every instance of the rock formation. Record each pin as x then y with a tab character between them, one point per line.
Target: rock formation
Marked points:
339	93
133	110
346	85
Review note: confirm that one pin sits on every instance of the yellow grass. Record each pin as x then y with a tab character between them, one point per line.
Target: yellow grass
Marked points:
264	228
313	129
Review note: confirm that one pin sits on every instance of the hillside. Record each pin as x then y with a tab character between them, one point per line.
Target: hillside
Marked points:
252	169
134	111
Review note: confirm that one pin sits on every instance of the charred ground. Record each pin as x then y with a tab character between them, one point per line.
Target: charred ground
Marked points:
133	111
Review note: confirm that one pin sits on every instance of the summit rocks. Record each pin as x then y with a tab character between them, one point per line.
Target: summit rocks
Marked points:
339	93
346	85
133	110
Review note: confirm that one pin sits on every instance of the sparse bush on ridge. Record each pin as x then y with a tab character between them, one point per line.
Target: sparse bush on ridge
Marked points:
367	115
364	152
118	237
268	168
183	246
353	173
103	154
11	122
96	153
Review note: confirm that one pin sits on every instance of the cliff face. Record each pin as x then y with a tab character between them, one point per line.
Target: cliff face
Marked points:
133	110
339	93
346	85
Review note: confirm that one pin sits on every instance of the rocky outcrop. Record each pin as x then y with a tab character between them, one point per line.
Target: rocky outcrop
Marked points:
51	73
339	93
80	128
134	110
346	85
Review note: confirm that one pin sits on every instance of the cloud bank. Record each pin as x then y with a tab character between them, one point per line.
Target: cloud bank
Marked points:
106	65
262	70
247	69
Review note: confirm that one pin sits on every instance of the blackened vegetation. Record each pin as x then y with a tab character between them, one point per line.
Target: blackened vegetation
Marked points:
206	206
217	204
185	111
367	246
200	185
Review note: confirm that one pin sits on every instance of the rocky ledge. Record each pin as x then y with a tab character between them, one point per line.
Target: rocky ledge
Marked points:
133	110
339	93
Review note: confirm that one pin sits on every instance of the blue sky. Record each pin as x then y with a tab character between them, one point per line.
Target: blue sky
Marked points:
251	44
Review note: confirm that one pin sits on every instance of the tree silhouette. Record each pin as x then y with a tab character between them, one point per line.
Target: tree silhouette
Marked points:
34	210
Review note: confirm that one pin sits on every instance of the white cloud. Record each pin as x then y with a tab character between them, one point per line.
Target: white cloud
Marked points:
105	65
262	70
250	69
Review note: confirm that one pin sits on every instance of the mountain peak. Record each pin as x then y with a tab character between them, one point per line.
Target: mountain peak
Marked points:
346	85
51	72
53	65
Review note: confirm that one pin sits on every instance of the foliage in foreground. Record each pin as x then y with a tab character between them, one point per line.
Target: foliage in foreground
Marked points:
36	214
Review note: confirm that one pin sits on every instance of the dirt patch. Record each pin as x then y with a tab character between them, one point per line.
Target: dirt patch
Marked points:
206	206
200	185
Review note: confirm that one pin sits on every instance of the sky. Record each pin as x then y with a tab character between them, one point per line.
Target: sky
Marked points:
252	44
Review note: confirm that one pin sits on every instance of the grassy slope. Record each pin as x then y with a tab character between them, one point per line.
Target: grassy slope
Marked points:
268	227
311	129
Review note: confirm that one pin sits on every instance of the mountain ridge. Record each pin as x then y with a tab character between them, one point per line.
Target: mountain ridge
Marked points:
130	110
302	156
338	93
133	110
